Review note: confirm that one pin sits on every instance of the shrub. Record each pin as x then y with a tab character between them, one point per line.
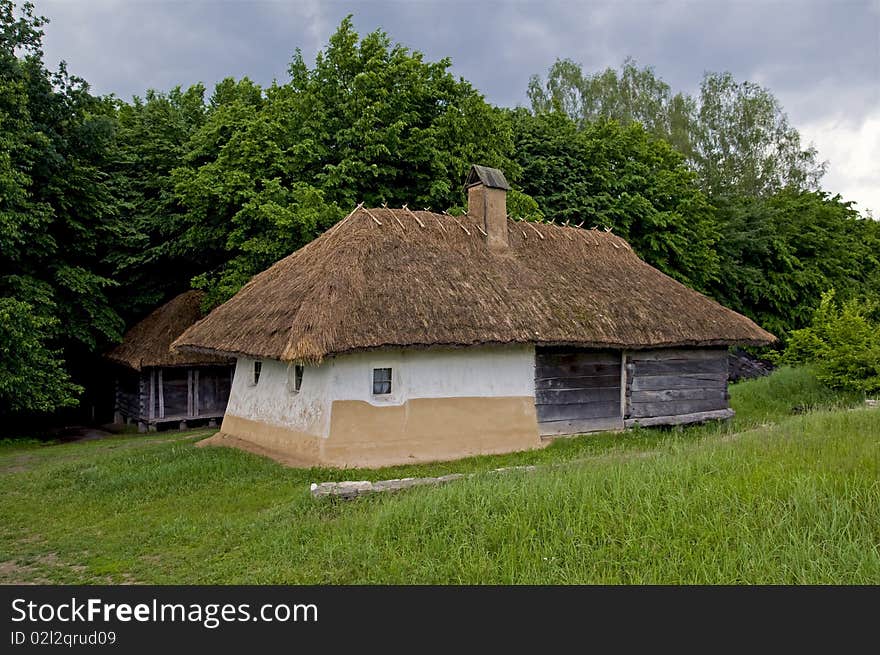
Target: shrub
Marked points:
843	344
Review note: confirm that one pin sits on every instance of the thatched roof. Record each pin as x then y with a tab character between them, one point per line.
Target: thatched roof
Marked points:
392	277
148	343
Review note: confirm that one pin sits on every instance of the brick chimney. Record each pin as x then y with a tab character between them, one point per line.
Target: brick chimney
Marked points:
487	200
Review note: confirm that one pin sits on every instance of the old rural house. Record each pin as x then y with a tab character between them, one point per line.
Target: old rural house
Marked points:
155	386
404	336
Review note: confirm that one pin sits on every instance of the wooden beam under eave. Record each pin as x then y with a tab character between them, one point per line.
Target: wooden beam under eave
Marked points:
151	412
196	393
161	396
189	392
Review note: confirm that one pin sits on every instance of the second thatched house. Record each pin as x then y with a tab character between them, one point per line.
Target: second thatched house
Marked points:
155	386
402	336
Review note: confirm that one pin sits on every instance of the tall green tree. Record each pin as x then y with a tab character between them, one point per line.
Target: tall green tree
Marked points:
632	94
57	215
735	135
152	138
623	178
32	375
371	121
745	144
780	253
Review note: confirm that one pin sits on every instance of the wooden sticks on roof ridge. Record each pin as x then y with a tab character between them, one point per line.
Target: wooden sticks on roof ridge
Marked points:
370	214
350	214
536	230
592	235
412	213
466	231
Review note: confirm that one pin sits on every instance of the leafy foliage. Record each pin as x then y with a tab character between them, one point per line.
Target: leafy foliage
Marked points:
623	178
743	142
371	122
778	254
152	136
631	95
271	225
386	126
57	213
32	375
768	245
735	135
842	343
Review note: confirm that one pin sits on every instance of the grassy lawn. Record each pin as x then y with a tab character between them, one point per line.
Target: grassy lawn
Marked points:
789	491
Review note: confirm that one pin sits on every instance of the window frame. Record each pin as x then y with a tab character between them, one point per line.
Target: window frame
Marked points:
399	379
295	381
383	395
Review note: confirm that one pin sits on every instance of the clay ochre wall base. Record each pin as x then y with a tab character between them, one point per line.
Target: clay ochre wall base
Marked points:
292	446
420	430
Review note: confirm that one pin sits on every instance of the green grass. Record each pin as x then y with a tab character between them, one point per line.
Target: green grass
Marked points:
787	492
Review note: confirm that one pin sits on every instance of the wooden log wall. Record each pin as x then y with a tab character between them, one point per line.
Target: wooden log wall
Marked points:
577	391
212	386
175	392
675	382
144	394
179	393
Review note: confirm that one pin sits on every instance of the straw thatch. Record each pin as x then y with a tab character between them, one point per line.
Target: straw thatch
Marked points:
148	343
392	277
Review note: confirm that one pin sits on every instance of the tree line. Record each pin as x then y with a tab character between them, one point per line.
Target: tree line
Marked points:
110	207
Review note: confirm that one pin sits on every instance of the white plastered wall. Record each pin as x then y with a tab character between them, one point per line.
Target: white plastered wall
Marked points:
272	400
489	371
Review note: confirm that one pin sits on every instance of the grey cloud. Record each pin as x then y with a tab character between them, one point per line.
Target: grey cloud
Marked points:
822	59
126	47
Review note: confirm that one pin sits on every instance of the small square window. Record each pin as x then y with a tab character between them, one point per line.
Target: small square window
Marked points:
255	377
295	378
381	381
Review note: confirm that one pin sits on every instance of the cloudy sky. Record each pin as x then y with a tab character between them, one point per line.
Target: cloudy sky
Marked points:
820	57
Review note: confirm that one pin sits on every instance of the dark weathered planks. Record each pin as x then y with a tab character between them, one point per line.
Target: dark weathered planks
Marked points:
665	395
160	395
664	384
577	391
190	400
671	408
127	397
552	355
676	353
196	401
600	409
574	396
579	382
575	369
681	419
214	383
681	366
684	381
154	401
175	392
581	426
143	397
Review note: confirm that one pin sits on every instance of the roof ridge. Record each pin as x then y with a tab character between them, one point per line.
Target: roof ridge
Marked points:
395	214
